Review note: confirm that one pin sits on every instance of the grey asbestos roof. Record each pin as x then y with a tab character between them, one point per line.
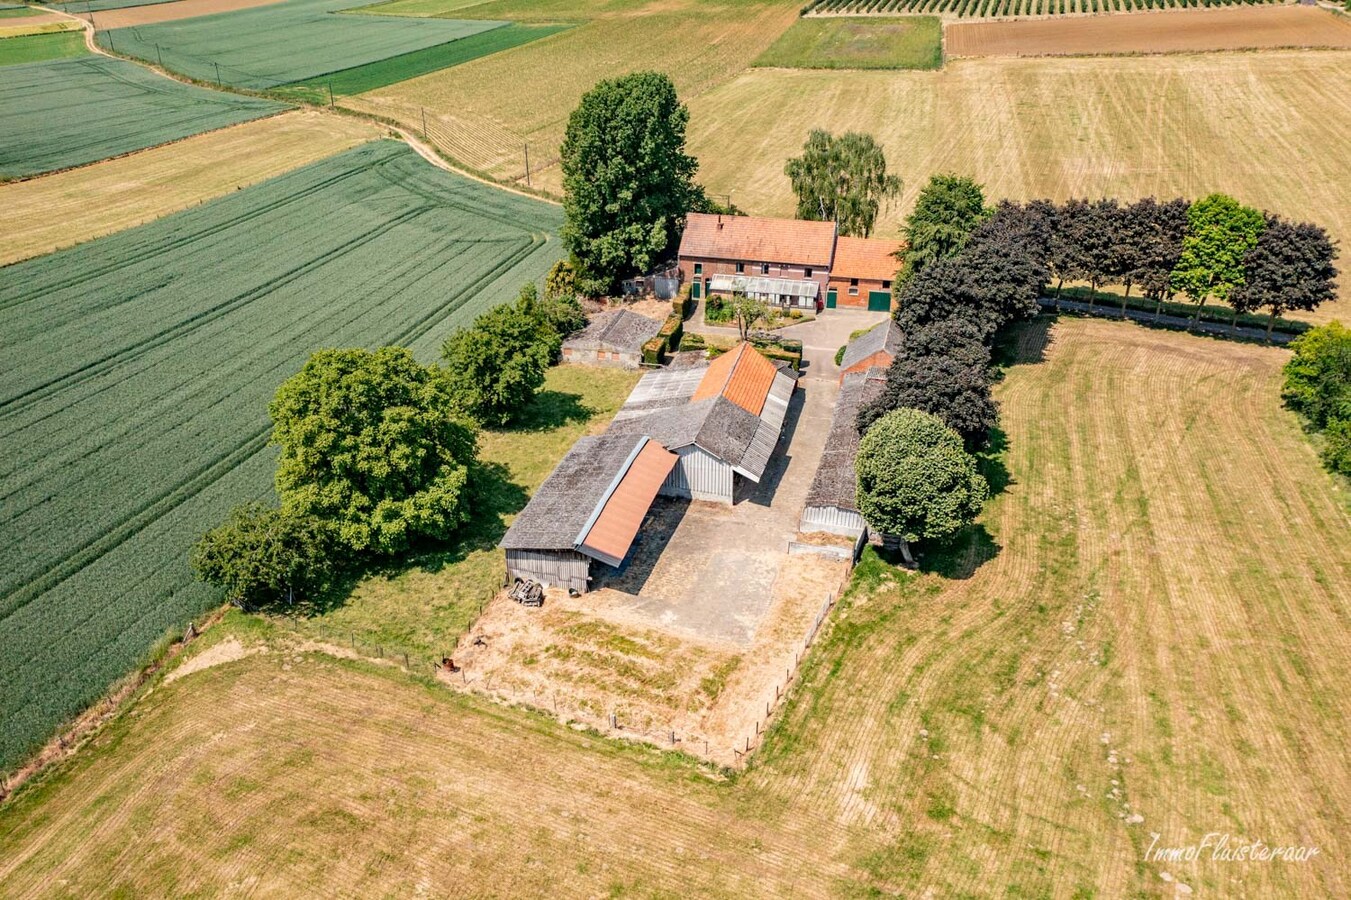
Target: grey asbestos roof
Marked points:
835	482
565	501
884	336
617	329
660	409
662	389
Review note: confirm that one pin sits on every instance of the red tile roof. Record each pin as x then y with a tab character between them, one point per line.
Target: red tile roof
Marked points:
741	375
869	258
614	529
758	239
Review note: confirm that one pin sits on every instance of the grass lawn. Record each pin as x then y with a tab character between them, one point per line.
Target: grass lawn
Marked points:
423	608
1146	633
41	47
910	42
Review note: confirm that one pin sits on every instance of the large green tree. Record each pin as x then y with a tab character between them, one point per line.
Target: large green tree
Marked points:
1318	375
373	443
1220	232
915	480
263	556
627	180
496	367
947	210
842	180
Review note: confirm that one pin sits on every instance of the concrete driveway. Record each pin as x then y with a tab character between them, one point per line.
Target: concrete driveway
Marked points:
709	570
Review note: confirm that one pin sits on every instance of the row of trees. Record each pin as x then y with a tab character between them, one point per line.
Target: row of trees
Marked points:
1213	249
378	452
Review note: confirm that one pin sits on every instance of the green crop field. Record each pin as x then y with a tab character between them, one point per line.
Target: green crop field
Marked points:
70	112
908	42
419	62
36	48
269	46
137	370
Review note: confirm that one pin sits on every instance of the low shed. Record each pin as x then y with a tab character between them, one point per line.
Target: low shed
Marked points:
875	348
831	503
588	510
613	338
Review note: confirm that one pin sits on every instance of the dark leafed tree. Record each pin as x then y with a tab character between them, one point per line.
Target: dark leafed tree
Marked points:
915	480
372	443
947	210
496	367
843	180
1131	229
1065	256
627	180
943	369
937	293
1159	228
1289	268
1220	232
1003	269
1099	236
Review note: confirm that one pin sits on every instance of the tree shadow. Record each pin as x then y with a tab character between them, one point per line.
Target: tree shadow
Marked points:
990	461
549	410
960	557
1023	343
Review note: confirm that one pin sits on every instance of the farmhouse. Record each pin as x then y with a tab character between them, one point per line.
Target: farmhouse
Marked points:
831	505
722	420
614	338
875	348
588	510
780	261
786	262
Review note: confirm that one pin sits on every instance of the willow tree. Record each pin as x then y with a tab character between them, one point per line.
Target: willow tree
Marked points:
842	180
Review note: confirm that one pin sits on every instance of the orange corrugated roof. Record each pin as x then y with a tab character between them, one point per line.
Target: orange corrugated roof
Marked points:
758	239
614	529
870	258
741	375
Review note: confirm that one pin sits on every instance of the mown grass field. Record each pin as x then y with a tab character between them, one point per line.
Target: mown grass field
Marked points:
137	372
70	112
38	48
1268	128
269	46
66	208
913	42
1151	621
423	607
481	113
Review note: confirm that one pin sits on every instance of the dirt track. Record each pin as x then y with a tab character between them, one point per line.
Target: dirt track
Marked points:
1178	31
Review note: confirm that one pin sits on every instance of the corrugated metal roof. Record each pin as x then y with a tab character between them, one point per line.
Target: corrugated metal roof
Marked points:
871	258
662	389
616	522
741	375
758	239
885	336
761	448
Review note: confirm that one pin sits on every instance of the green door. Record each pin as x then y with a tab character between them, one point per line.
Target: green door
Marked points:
694	289
830	299
879	301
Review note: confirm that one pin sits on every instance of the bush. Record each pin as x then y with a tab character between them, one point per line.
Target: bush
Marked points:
654	351
1336	452
1318	376
839	354
263	556
496	367
693	341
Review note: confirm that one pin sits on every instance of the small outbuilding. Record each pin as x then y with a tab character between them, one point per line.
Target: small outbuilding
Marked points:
588	510
831	500
876	348
613	338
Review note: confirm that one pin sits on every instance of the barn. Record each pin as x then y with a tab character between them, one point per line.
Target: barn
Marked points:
875	348
613	338
587	511
831	505
723	421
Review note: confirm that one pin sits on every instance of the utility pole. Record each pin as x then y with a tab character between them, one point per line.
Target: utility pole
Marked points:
330	95
159	56
424	123
217	65
527	165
